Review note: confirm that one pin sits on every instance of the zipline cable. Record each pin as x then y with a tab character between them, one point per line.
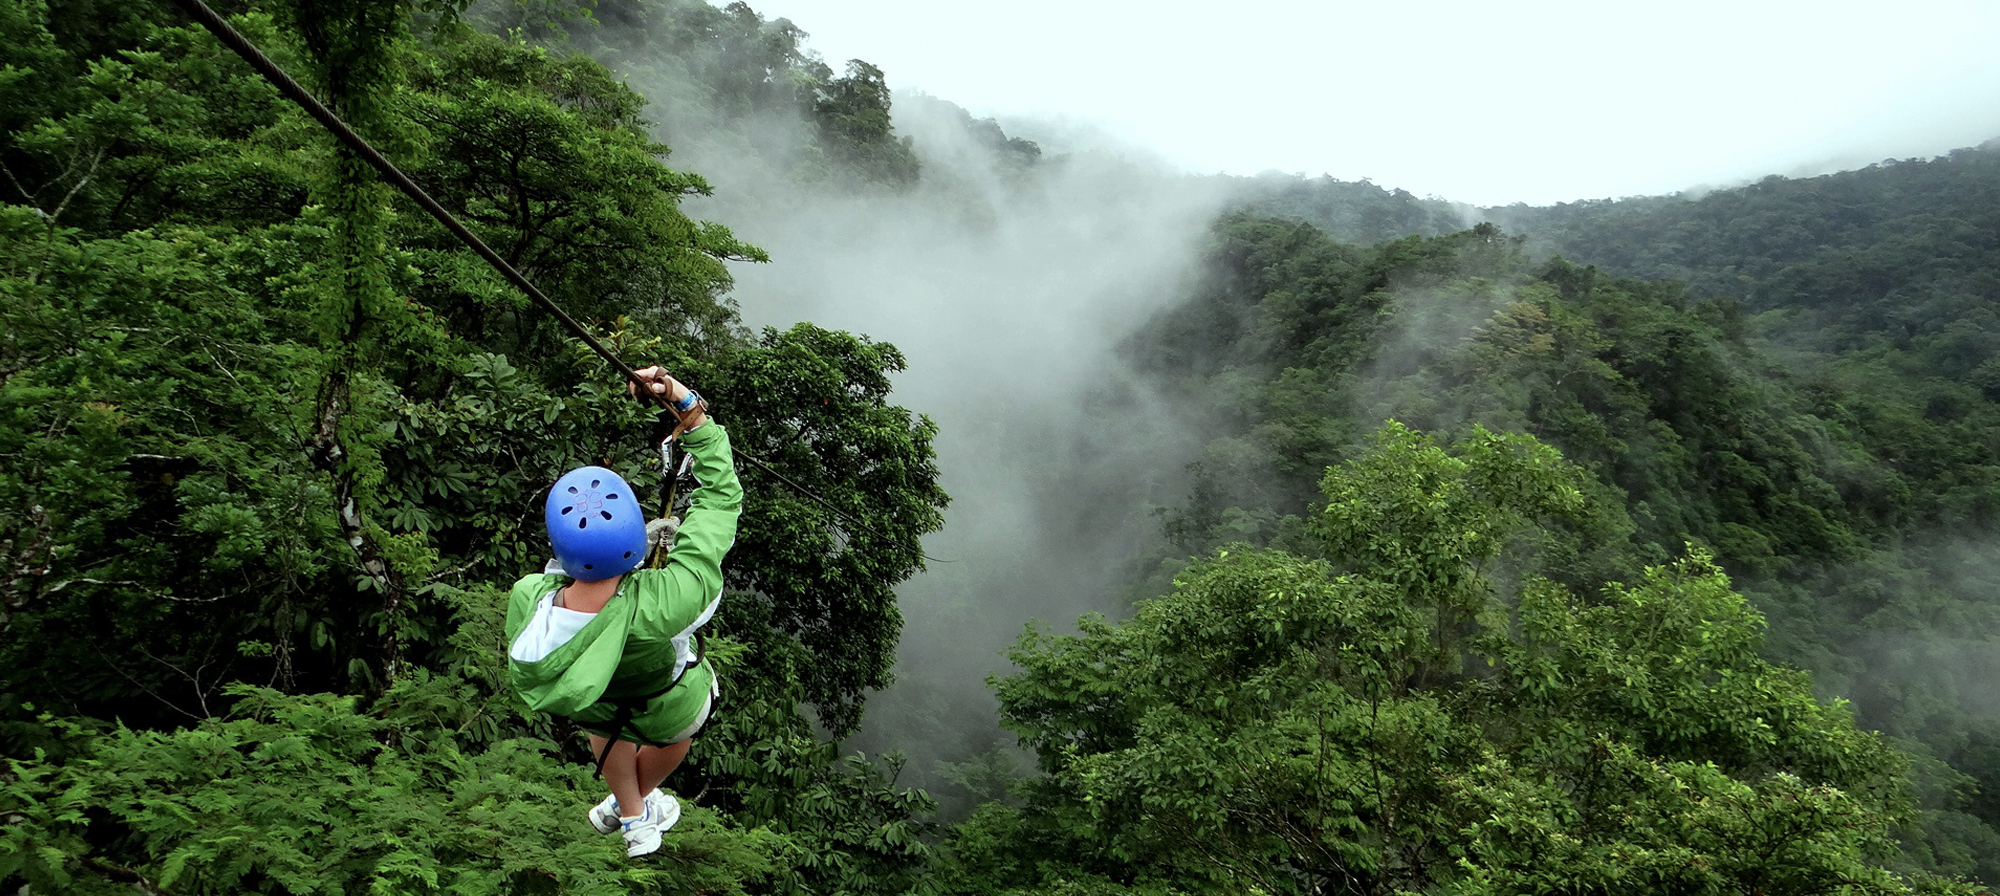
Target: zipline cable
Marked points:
234	40
292	90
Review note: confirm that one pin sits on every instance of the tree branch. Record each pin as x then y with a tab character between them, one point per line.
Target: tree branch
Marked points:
123	875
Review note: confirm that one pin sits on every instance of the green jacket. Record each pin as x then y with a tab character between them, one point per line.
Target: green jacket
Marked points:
643	637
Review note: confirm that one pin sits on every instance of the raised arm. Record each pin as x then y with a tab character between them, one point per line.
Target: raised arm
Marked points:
710	527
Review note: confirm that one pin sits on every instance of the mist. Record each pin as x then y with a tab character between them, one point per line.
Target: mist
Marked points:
1008	281
1009	292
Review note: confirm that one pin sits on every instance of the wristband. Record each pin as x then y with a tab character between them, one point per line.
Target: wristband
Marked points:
687	404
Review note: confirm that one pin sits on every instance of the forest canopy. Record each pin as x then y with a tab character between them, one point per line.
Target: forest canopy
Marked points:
274	441
1607	547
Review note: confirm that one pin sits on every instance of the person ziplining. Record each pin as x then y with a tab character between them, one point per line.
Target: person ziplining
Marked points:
616	648
593	637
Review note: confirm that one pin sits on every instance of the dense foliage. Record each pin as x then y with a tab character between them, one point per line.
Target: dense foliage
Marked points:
1350	211
1385	714
731	84
1850	509
1895	252
274	444
1874	289
271	443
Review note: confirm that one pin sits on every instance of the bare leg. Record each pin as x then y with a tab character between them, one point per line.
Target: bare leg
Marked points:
654	764
621	774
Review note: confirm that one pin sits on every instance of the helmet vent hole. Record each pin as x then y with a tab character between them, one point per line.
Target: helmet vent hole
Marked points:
628	555
604	513
568	510
590	566
611	497
596	482
572	489
582	522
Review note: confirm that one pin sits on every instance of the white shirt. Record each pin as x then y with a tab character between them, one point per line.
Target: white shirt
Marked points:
551	627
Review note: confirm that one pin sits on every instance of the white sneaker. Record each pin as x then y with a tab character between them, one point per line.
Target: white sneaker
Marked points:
642	834
604	815
663	804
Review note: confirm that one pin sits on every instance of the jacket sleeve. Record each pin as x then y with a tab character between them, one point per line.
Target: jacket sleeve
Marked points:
710	528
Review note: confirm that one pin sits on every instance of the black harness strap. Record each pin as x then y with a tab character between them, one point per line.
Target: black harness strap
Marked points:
628	707
625	709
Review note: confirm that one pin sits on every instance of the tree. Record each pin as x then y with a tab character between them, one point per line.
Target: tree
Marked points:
1416	709
545	156
852	112
271	444
814	406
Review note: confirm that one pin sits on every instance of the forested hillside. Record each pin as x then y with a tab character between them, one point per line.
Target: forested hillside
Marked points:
1535	555
274	448
1853	513
1873	293
1893	249
1812	356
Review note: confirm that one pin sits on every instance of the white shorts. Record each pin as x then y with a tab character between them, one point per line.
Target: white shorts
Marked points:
707	706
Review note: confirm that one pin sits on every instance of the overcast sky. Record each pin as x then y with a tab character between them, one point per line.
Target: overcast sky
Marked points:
1535	101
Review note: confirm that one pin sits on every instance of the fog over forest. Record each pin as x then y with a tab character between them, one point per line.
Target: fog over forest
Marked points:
1011	289
1010	292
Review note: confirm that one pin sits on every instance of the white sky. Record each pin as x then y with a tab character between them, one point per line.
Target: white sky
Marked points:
1487	102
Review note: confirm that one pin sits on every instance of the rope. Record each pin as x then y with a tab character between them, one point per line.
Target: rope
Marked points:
234	40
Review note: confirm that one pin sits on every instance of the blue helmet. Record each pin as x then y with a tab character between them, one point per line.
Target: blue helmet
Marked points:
595	524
